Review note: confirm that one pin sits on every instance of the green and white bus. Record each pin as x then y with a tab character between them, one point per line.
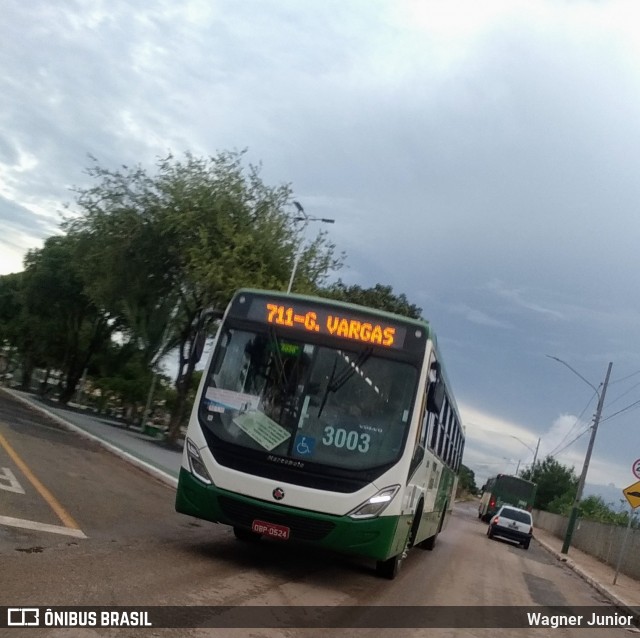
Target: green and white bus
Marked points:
326	423
505	489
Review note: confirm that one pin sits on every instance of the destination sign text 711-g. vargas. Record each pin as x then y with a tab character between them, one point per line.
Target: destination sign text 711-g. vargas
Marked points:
328	321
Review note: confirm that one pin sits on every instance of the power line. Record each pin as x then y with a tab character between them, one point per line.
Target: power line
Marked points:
633	387
571	429
635	404
633	374
572	441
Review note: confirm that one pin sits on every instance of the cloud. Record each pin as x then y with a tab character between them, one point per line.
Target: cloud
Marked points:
517	299
481	159
479	317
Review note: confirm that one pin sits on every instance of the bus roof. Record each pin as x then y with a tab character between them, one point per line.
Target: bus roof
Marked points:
513	476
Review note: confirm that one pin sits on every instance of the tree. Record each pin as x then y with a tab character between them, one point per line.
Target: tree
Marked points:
186	238
379	296
11	304
556	483
62	327
594	508
467	480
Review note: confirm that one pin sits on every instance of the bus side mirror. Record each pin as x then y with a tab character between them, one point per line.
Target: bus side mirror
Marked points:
435	397
201	328
198	345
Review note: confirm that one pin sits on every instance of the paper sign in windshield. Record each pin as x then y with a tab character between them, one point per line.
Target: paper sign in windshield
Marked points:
262	429
220	400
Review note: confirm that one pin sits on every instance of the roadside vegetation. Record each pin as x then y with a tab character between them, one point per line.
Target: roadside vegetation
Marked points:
144	261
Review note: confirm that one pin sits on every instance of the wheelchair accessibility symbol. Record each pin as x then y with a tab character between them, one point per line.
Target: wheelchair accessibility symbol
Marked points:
304	445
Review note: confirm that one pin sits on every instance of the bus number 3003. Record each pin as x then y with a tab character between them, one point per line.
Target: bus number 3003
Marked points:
350	439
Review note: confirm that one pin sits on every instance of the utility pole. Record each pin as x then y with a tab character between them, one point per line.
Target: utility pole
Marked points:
585	468
535	456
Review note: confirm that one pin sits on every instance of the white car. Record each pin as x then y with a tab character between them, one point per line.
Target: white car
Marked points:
512	523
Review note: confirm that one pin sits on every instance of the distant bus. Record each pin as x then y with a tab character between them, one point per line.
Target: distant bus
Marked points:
505	489
324	423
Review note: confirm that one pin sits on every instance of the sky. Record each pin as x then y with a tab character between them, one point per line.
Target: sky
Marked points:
481	158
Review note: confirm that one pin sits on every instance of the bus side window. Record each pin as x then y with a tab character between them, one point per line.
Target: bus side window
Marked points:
427	429
435	432
443	428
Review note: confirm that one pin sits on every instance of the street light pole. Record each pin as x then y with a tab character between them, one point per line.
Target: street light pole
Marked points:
535	456
306	219
585	468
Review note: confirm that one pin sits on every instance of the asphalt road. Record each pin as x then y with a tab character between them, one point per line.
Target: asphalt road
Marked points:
81	527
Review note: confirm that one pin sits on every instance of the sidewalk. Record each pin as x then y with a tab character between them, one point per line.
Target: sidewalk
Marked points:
151	455
626	591
154	457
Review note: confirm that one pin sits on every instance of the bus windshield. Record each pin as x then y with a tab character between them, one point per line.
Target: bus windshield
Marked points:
345	408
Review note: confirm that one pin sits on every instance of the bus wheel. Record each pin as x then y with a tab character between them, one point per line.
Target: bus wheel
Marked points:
429	543
246	535
389	568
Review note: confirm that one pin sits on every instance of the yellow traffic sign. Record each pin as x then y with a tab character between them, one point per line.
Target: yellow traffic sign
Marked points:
632	494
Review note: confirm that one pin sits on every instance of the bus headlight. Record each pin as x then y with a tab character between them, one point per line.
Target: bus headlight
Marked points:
196	463
376	504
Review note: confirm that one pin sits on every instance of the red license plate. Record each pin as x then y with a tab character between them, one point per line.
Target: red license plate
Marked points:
271	530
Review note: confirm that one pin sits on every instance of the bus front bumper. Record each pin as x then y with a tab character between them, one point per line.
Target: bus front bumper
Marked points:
377	538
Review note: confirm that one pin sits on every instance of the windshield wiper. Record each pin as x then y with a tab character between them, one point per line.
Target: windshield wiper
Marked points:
282	375
334	384
329	384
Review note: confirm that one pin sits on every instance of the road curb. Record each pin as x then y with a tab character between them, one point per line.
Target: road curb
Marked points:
599	587
153	471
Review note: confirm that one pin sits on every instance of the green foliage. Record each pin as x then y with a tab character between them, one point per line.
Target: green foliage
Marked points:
122	375
163	249
380	296
467	481
556	483
594	508
56	324
10	305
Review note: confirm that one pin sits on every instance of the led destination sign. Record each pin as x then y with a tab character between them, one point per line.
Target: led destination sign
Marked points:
327	321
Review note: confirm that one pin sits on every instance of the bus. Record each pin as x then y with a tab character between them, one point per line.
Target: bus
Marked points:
323	422
505	489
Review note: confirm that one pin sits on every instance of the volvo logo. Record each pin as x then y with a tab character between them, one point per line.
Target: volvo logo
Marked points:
278	493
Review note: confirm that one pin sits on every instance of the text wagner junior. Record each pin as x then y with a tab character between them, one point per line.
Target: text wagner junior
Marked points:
537	619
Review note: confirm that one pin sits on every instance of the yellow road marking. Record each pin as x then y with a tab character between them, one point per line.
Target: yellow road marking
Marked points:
63	515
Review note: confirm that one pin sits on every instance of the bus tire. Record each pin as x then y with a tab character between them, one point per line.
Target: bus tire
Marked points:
415	525
246	535
389	568
429	543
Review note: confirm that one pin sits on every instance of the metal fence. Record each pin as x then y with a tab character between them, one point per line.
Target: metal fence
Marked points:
597	539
